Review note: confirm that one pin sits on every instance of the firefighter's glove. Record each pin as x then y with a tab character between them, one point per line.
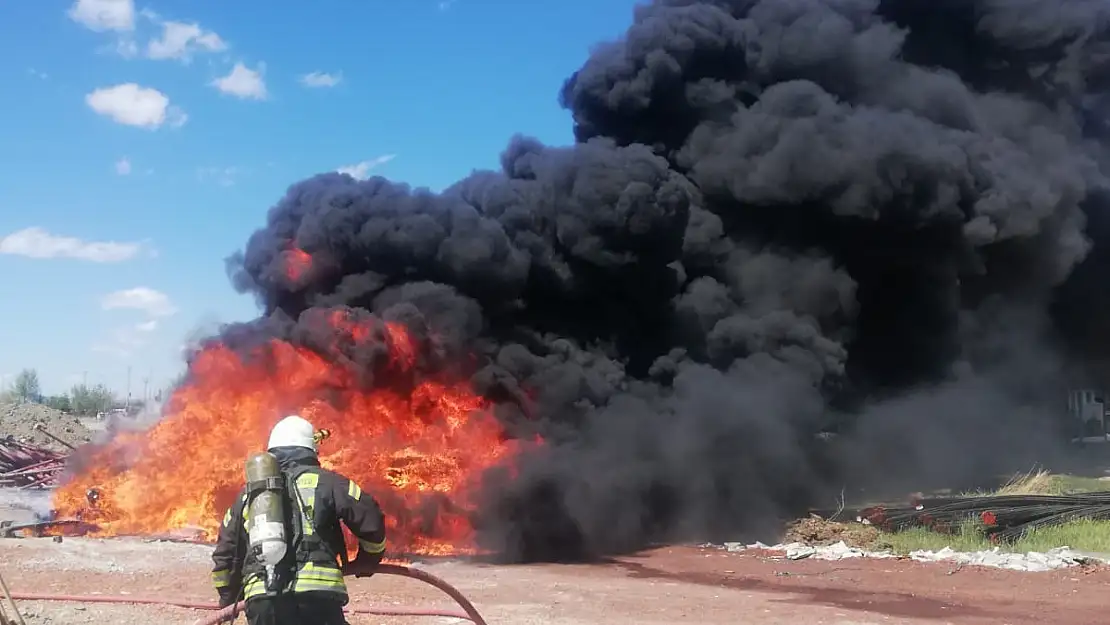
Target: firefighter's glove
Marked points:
227	597
366	564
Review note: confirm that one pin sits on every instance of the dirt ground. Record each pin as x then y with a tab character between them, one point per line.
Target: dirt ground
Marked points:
665	586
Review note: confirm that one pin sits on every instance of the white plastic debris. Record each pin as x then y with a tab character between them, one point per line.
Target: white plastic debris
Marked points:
837	551
1058	558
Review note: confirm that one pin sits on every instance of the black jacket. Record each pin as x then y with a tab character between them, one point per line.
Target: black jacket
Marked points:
335	499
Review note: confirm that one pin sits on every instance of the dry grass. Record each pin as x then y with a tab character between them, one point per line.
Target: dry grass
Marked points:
1035	482
1041	482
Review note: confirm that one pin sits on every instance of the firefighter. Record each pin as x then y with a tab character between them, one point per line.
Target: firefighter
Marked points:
312	588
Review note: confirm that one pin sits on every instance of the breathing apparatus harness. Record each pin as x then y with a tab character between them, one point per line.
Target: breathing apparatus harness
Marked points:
276	513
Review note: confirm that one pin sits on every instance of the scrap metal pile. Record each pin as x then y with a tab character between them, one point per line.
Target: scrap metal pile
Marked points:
1003	518
27	466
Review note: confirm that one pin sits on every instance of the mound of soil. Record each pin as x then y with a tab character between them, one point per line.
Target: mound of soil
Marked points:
816	531
18	421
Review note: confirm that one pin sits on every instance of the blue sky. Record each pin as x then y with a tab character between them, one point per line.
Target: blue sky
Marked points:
144	141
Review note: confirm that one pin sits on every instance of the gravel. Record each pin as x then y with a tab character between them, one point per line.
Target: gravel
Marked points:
132	555
50	613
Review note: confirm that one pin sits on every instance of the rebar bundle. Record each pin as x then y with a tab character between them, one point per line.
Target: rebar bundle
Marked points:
1002	518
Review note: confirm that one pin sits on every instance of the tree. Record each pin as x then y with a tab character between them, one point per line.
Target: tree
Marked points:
58	402
88	400
26	385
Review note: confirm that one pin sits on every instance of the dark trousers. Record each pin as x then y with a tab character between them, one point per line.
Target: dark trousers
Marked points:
295	609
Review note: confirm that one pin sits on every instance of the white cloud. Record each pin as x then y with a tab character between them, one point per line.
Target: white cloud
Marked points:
321	79
38	243
37	74
123	166
152	302
446	4
104	15
147	326
243	82
361	171
132	105
180	40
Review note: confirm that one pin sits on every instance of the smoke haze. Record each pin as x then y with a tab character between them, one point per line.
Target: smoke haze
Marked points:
779	217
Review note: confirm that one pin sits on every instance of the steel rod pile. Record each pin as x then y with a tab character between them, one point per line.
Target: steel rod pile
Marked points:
1002	518
27	466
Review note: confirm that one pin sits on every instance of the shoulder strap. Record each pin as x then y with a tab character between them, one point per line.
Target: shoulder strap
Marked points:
295	504
293	524
311	546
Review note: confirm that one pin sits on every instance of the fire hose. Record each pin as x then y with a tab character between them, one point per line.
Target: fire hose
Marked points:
223	615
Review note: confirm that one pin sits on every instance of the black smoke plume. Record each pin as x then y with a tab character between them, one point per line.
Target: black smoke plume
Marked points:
779	218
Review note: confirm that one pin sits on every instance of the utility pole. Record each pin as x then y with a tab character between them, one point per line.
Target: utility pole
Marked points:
84	394
127	404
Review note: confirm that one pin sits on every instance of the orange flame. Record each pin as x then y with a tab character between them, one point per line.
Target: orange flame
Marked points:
297	263
419	452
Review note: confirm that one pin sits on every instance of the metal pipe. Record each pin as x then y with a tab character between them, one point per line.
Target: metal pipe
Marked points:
38	465
9	530
8	594
38	426
31	472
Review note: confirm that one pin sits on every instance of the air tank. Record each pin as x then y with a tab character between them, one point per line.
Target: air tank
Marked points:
266	513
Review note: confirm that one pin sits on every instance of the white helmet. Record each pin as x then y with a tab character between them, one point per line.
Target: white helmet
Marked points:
292	431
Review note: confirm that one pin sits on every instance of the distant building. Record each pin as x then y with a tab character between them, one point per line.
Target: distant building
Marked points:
1087	409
